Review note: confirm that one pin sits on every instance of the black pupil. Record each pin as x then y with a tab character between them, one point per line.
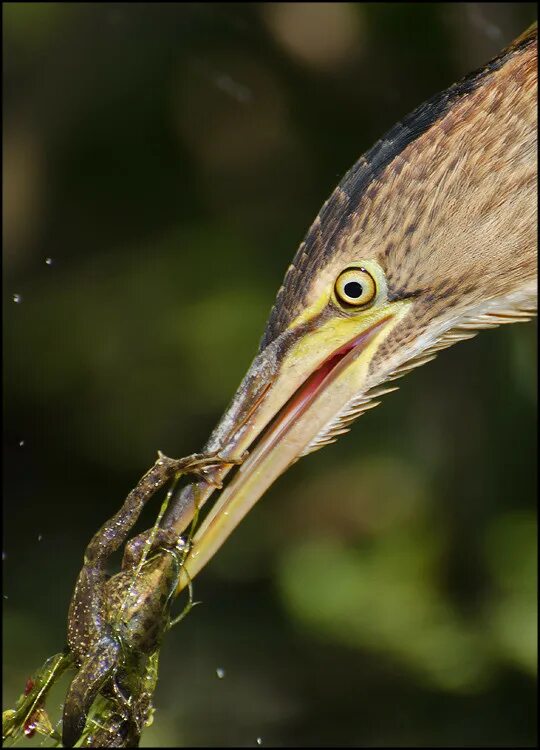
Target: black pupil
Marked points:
353	289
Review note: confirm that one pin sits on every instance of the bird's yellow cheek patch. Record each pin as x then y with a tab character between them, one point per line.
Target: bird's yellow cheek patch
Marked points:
311	312
318	344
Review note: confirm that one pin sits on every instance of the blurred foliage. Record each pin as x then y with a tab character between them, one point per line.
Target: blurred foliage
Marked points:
161	163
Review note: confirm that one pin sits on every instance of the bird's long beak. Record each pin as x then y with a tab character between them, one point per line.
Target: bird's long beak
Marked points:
292	393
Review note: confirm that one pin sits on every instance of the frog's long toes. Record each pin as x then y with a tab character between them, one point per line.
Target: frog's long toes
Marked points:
220	461
202	472
217	483
235	460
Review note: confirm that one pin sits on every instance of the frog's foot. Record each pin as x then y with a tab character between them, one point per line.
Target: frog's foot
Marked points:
89	680
137	547
201	464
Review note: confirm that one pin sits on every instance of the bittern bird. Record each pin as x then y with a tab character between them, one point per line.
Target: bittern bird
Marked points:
430	237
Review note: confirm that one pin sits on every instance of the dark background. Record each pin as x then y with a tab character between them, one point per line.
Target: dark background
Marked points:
161	164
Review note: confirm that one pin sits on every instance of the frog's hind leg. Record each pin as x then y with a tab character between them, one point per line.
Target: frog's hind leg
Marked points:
84	688
115	531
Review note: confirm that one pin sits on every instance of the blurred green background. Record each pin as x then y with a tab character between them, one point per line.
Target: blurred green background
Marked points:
161	164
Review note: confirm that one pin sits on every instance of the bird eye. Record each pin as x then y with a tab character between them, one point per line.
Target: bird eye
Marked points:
355	287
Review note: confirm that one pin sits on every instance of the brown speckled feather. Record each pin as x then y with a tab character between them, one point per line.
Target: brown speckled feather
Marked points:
444	201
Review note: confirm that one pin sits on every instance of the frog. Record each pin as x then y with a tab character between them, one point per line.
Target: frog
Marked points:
115	624
136	615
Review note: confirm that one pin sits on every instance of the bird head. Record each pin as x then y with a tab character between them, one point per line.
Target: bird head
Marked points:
429	238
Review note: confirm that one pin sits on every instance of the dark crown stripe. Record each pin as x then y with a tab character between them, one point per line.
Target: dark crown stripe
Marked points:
418	122
339	209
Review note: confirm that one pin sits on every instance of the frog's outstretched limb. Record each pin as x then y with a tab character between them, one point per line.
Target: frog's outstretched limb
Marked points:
114	532
91	677
152	539
91	638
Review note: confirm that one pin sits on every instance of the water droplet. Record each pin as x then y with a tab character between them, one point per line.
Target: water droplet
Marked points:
49	261
17	299
220	673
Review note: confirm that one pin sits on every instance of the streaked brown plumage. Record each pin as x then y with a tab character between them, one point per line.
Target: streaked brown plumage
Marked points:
429	238
455	167
441	213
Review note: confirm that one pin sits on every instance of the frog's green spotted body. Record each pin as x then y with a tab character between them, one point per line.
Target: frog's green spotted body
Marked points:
112	644
115	625
138	609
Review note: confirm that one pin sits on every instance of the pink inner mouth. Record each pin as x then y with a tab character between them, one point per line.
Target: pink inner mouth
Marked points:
316	383
257	473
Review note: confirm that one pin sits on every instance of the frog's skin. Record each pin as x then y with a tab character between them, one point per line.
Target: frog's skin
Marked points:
115	624
135	613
